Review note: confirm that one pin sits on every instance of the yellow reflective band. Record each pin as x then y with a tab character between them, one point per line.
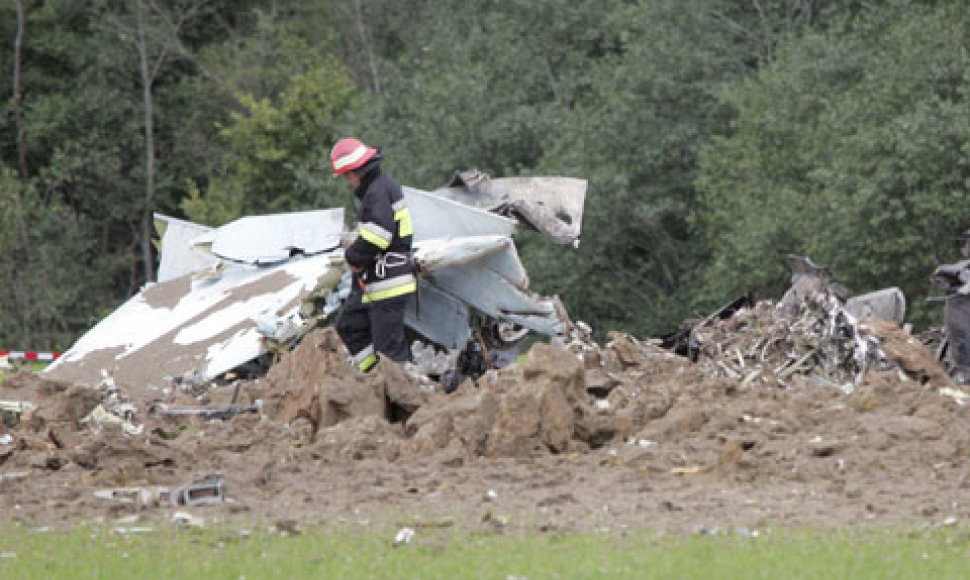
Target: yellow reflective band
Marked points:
405	228
365	365
364	353
374	238
390	292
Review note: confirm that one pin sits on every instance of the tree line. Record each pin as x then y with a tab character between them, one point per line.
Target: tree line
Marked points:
716	135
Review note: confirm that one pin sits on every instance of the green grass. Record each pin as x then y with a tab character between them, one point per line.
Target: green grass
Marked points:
449	554
36	366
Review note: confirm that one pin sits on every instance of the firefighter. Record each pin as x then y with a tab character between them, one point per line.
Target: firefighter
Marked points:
371	322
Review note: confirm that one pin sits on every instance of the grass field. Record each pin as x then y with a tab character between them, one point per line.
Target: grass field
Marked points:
30	365
448	554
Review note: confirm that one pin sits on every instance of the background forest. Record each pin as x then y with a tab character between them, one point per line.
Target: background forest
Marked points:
716	135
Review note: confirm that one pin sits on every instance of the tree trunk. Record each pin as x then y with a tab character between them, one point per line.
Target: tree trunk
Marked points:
23	298
147	79
365	41
18	93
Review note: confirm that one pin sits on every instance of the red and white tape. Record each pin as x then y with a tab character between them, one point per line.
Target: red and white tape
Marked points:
28	355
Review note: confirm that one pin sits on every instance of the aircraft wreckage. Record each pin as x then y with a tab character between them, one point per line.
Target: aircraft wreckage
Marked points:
227	297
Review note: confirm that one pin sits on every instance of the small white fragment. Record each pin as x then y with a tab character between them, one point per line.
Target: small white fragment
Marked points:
187	519
403	536
957	395
133	530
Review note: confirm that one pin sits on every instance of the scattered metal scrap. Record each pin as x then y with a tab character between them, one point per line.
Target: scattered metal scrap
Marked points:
207	490
683	341
550	205
222	412
228	296
821	341
12	412
812	332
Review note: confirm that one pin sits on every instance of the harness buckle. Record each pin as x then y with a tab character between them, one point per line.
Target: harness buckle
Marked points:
390	260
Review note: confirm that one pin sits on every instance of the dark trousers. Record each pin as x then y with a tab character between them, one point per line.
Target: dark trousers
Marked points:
375	325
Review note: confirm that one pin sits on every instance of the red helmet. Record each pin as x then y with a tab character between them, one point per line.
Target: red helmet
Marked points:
350	154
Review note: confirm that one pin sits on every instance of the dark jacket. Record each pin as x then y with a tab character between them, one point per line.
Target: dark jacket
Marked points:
382	248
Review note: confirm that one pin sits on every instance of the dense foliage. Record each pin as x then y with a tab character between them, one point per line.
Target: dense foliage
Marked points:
716	136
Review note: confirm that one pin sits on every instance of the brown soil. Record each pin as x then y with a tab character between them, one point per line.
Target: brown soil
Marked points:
623	436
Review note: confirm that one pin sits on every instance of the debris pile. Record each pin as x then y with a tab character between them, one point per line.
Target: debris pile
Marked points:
820	341
233	298
813	332
628	405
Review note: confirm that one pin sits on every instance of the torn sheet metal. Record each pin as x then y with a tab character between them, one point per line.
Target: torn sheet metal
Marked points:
177	257
953	278
439	317
887	304
550	205
489	293
269	239
435	217
185	327
809	279
495	253
469	255
271	268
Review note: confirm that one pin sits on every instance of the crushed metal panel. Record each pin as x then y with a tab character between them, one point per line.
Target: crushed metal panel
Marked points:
191	328
807	279
441	252
551	205
887	304
472	261
483	272
495	253
435	217
202	328
492	295
177	257
953	278
270	239
439	317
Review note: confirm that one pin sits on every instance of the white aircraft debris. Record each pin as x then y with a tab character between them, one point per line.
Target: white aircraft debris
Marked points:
224	294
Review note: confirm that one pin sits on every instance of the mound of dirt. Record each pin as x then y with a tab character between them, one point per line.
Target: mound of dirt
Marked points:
517	412
777	422
314	382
